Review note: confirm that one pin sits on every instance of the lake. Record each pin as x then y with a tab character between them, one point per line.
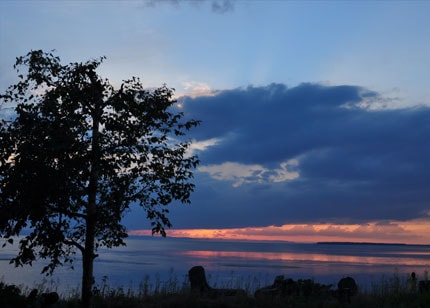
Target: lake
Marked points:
247	264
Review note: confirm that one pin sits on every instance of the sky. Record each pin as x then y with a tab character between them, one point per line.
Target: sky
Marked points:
315	114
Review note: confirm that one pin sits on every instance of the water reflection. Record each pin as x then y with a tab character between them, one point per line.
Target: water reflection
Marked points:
314	257
226	260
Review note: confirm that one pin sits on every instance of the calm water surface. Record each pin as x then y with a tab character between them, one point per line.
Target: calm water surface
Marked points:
229	264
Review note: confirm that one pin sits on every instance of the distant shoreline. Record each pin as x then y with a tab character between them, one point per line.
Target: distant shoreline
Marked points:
368	243
200	239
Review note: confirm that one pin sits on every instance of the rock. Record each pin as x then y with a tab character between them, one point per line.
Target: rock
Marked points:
33	294
198	280
280	287
199	284
347	288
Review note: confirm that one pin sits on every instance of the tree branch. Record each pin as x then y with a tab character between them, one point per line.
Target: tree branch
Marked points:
74	243
70	214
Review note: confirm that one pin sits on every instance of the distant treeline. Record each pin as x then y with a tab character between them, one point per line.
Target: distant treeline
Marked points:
371	243
365	243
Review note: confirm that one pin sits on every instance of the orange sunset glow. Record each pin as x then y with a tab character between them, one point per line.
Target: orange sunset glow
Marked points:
410	232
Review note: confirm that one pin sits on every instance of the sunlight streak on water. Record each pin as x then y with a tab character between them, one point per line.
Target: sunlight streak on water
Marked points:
296	256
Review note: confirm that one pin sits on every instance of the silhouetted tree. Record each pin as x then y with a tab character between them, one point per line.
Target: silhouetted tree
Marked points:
76	156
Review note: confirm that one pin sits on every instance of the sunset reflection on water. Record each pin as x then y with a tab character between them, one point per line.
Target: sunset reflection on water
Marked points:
314	257
227	261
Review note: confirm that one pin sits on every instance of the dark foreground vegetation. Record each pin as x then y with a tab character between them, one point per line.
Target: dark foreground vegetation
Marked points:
392	291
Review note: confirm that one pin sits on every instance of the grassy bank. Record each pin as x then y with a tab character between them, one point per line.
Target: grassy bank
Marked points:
392	291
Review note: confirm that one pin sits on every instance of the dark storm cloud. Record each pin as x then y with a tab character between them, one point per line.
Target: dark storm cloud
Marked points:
355	164
274	121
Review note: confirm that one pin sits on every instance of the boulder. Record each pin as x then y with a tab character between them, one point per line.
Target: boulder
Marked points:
198	280
280	287
288	287
199	285
346	288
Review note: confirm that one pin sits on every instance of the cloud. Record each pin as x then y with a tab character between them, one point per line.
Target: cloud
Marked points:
356	159
195	89
413	232
203	145
240	173
217	6
223	6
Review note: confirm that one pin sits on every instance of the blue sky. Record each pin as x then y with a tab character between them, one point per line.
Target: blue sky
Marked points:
314	113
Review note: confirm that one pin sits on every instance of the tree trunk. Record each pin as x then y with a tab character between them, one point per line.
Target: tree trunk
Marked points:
88	265
88	254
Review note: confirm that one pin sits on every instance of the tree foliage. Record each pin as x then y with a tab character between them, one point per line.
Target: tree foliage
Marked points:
79	153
